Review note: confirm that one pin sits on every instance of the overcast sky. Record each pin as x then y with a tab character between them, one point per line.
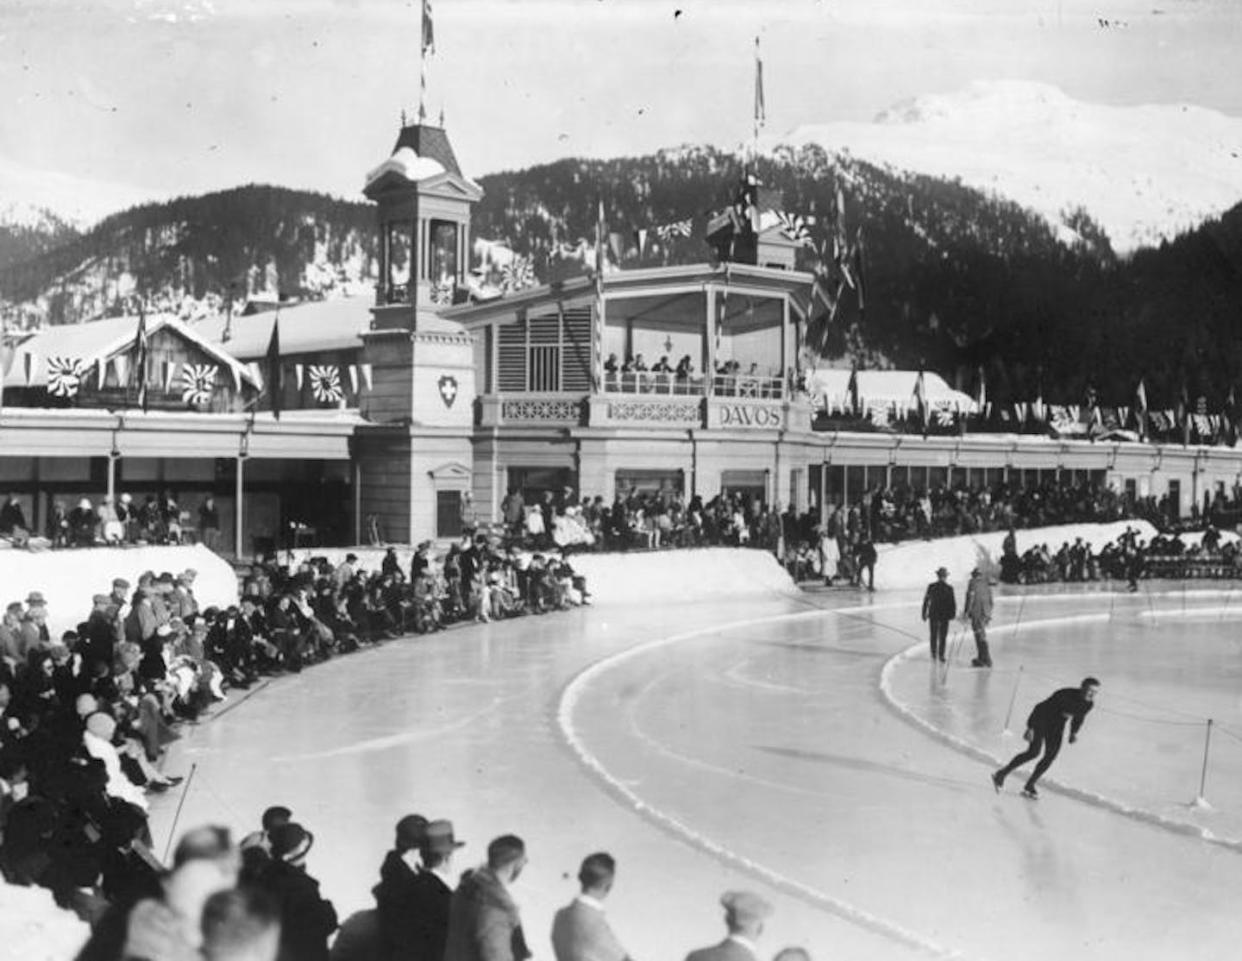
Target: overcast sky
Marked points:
181	96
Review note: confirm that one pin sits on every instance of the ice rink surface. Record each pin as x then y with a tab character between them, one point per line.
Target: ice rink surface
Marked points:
803	747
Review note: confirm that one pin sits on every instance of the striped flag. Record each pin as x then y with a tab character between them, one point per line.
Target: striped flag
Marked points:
601	239
1140	407
920	401
143	345
429	33
275	374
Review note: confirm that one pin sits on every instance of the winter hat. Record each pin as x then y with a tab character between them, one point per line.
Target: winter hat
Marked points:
290	841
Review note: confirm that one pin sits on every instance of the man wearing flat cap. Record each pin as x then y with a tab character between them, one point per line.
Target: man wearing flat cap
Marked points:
939	607
745	914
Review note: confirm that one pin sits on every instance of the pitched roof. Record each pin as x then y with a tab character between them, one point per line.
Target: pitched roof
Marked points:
99	340
885	387
309	328
430	143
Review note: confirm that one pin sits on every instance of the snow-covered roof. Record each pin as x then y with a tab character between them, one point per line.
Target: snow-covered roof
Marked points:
406	163
309	328
99	340
885	387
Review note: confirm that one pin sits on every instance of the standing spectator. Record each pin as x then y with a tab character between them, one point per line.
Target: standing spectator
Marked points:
580	932
745	914
306	919
939	607
395	893
978	610
865	555
432	893
13	520
483	919
209	523
513	508
58	525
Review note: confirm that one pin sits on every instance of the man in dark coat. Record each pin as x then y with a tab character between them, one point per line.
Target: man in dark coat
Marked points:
13	518
484	924
1045	727
939	608
306	919
431	895
394	895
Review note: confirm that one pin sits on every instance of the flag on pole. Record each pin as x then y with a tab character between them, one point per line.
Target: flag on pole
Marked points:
1183	414
1140	407
982	399
275	376
920	401
761	114
859	276
429	33
851	392
143	346
601	235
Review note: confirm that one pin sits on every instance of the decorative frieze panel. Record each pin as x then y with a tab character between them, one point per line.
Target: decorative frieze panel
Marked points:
540	410
680	413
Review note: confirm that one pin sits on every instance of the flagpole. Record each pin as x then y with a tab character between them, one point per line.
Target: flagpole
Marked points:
422	60
760	109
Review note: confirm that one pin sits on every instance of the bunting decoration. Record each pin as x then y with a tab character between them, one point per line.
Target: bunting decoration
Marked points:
640	238
325	383
120	367
920	401
275	377
353	379
170	374
298	371
101	371
198	384
64	377
518	274
795	227
366	375
442	291
32	364
678	228
761	112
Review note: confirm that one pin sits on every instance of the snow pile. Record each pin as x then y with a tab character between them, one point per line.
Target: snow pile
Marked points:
913	564
1144	173
69	578
33	928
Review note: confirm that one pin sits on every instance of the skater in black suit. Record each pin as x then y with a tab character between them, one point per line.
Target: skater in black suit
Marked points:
939	607
1045	727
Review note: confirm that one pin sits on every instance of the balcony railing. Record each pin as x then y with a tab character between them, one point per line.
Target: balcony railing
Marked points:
723	385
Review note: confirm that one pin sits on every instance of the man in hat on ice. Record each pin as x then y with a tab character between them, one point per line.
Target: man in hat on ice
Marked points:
978	610
939	607
1044	729
745	914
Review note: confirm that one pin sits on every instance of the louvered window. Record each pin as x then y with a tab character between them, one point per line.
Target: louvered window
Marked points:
512	361
548	353
576	352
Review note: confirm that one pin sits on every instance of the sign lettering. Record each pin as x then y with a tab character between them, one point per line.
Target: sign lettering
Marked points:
745	415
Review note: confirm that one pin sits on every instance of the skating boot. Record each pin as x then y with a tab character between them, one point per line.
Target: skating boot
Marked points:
1030	792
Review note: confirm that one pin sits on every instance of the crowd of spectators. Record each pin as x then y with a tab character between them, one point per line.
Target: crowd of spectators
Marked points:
157	520
86	717
635	376
257	900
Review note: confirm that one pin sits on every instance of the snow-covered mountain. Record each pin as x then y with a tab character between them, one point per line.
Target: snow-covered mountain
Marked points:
31	197
1144	173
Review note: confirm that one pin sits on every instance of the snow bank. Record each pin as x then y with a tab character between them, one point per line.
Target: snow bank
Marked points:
641	576
33	928
913	564
69	578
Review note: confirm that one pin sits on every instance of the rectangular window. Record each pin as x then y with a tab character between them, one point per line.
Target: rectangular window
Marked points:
443	250
400	242
1175	499
448	513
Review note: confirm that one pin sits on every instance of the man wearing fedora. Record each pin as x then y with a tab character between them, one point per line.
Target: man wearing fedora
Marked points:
484	924
431	896
307	920
580	932
745	914
939	607
977	609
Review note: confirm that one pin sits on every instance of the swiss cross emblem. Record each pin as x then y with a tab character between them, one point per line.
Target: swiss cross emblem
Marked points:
448	389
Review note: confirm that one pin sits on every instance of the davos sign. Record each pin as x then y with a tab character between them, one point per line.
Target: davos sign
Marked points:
753	416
